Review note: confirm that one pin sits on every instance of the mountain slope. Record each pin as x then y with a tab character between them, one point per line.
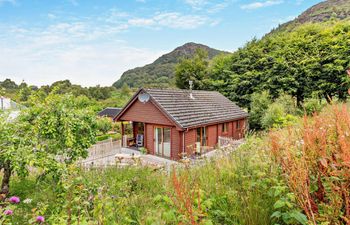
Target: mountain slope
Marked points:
160	73
321	12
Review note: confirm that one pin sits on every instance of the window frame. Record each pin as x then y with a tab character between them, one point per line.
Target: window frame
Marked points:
224	128
238	125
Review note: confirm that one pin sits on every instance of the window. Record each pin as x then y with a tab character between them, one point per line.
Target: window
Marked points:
202	136
238	124
224	128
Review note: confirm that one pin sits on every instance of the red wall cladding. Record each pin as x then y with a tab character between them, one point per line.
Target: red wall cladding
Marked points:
175	143
149	138
212	135
146	113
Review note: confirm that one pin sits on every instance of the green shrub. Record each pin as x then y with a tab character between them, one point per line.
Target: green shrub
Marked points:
143	150
288	103
104	125
259	104
278	114
313	105
102	137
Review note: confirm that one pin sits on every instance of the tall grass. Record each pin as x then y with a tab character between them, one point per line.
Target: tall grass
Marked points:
315	158
240	188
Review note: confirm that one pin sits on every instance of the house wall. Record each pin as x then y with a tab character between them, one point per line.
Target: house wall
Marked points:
175	140
175	143
190	139
214	131
239	133
149	144
146	113
213	135
149	114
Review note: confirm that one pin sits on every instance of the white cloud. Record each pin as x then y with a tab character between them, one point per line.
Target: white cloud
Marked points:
196	4
141	22
173	20
51	16
85	64
87	51
80	51
257	5
218	7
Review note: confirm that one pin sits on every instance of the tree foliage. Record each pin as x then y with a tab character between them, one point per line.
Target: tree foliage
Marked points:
310	60
194	69
47	135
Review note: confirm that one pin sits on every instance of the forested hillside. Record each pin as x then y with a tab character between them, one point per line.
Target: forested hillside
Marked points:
160	73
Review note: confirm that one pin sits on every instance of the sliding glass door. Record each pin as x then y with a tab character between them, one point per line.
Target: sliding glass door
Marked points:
162	141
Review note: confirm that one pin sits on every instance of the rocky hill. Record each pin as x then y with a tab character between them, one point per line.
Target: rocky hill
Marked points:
160	73
321	12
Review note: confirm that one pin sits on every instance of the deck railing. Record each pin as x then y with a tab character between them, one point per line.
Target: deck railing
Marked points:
227	141
102	151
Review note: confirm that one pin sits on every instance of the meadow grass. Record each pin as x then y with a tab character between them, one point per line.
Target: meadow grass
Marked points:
236	189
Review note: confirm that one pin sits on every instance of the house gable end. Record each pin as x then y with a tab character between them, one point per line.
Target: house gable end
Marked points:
146	113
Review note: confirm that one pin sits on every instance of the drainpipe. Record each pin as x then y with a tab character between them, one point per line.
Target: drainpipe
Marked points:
183	142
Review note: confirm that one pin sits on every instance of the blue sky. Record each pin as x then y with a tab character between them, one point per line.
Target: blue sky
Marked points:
94	42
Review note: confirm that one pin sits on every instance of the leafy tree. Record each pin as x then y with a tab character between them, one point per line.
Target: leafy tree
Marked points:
16	150
125	90
307	59
104	125
259	104
195	69
8	84
47	135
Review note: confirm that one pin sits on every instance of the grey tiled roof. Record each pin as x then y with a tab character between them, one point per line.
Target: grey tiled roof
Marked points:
206	107
109	112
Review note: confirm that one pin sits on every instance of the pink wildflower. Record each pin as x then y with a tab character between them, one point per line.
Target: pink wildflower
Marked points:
40	219
8	212
14	199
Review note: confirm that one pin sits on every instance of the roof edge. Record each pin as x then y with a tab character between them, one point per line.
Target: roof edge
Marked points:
132	99
155	103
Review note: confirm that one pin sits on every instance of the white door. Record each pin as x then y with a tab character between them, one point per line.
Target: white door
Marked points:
162	141
158	140
166	139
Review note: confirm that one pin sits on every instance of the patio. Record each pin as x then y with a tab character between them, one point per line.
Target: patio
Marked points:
127	157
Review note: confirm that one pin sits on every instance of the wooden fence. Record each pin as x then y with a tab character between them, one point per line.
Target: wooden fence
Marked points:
102	153
224	142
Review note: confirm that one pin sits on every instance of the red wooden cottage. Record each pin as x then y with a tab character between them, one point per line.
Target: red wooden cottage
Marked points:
171	123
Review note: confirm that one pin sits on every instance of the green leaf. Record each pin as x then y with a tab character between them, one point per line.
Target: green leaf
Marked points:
276	214
279	204
298	216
